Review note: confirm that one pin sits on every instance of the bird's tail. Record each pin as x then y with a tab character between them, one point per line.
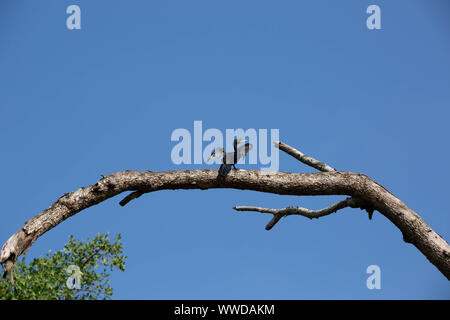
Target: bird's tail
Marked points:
224	169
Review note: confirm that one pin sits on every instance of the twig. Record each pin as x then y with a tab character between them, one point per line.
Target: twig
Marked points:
131	196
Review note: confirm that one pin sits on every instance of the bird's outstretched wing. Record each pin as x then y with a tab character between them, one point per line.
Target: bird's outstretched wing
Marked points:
243	150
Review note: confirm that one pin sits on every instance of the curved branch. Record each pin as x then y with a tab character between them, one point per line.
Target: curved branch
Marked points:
414	229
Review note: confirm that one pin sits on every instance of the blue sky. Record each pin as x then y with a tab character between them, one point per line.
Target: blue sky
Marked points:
75	104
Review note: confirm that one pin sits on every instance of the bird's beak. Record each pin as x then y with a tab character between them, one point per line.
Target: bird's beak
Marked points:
210	157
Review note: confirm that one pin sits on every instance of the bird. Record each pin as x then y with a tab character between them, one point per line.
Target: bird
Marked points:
229	159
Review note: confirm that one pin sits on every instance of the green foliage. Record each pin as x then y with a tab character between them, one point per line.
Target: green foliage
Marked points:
46	277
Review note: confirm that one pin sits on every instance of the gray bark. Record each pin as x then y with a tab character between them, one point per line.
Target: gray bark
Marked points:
372	195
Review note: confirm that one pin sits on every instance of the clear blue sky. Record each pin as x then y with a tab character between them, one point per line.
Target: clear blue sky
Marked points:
75	104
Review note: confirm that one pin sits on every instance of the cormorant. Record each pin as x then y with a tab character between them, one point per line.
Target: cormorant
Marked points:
229	159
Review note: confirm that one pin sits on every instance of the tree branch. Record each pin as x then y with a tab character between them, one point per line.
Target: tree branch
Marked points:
312	214
355	185
321	166
131	196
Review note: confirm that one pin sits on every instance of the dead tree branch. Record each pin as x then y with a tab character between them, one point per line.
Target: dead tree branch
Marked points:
279	213
304	158
355	185
312	214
